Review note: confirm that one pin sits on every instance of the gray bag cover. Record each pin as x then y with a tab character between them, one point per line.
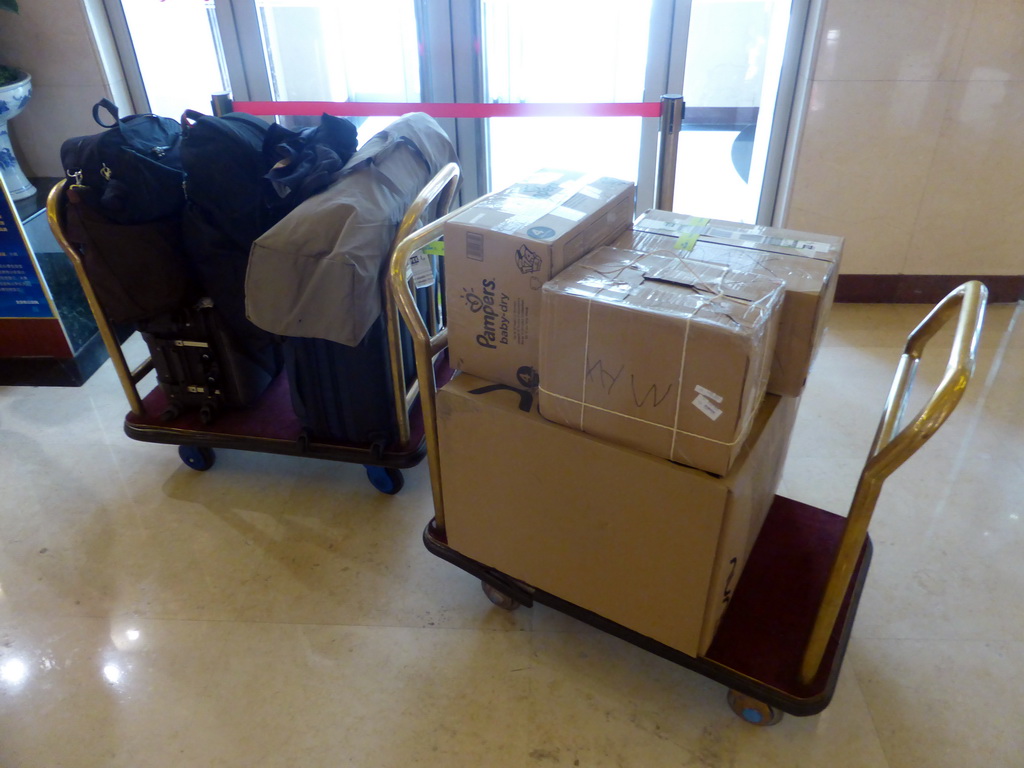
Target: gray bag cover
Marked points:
318	272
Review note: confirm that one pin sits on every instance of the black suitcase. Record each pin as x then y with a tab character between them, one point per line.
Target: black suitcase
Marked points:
340	393
200	365
345	394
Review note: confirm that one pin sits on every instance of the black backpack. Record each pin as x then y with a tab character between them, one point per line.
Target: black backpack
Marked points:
224	169
225	211
131	171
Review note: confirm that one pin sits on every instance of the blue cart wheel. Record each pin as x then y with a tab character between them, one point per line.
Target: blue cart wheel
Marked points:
753	711
197	457
385	479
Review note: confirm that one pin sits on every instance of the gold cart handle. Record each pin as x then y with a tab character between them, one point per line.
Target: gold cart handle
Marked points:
892	445
426	343
439	193
56	213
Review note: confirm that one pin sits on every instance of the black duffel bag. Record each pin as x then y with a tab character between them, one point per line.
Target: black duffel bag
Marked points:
131	172
137	270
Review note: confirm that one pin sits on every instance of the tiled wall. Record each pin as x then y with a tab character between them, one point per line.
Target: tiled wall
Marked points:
913	146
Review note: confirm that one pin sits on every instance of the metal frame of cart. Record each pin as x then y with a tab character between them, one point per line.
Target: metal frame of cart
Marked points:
781	642
270	426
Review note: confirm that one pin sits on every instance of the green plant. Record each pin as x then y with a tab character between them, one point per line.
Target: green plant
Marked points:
9	75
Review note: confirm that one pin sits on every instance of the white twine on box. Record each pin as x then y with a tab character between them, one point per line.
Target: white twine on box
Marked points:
742	432
717	292
586	360
679	387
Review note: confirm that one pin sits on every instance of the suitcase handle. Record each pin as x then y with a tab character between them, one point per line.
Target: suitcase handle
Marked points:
892	445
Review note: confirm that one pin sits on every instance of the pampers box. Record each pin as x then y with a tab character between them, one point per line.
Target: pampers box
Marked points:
649	544
499	253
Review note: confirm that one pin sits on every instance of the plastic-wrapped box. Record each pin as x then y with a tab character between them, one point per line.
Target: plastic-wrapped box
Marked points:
807	263
662	354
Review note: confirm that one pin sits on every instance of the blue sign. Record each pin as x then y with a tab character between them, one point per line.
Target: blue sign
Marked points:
21	291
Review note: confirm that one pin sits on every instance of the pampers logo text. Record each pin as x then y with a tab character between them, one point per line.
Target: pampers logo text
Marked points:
488	305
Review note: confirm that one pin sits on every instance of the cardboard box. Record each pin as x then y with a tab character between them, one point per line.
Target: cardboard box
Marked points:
500	252
808	264
665	355
649	544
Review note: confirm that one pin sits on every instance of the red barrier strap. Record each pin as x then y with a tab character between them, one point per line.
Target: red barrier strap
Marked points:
387	109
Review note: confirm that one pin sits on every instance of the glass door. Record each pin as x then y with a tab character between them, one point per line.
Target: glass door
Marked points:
583	51
325	50
741	59
178	58
734	61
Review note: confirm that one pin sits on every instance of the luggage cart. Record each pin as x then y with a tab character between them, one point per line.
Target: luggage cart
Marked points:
270	425
781	642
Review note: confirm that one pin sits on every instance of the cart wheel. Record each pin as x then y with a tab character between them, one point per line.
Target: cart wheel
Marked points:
499	598
172	412
208	413
753	711
385	479
197	457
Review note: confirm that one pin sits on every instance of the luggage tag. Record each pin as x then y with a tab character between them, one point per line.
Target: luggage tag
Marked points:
421	266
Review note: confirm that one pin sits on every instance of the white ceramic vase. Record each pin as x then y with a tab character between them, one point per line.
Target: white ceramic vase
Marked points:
13	98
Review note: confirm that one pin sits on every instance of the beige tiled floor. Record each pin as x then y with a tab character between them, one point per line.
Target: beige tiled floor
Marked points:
280	612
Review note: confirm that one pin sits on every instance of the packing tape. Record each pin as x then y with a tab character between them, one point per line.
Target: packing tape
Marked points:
679	393
524	210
